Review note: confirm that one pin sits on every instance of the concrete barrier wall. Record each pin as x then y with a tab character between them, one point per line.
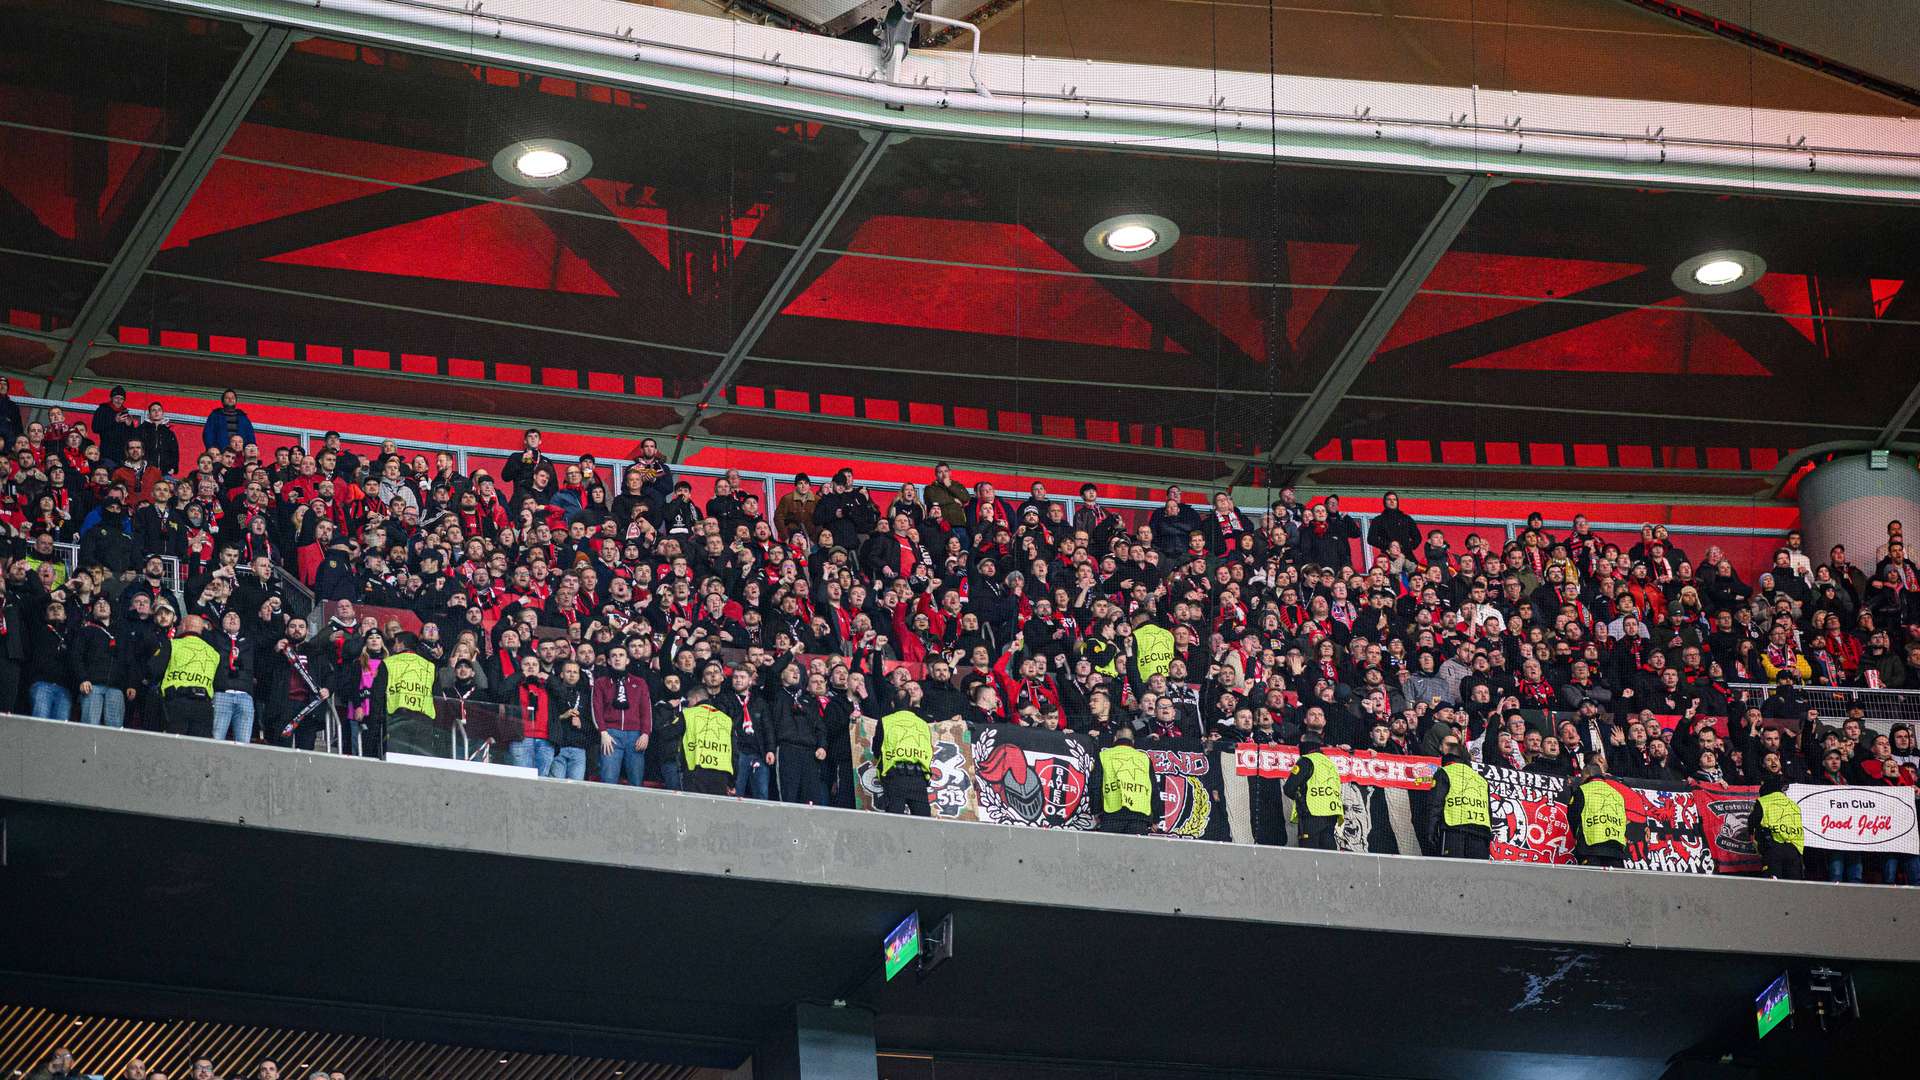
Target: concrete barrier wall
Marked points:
254	787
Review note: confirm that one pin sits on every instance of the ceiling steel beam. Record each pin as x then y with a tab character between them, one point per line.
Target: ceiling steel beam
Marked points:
783	285
1901	418
223	117
1440	233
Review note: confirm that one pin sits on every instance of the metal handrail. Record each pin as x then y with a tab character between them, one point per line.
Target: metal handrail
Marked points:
769	483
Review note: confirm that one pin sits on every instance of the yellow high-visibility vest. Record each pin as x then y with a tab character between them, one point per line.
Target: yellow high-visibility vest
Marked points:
708	743
409	683
1322	797
191	663
1126	780
1603	813
1152	650
1466	797
1780	816
906	740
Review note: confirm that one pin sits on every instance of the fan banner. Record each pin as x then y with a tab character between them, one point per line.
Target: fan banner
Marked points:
1663	828
1529	815
1032	776
1192	803
1879	819
1723	819
1275	761
951	784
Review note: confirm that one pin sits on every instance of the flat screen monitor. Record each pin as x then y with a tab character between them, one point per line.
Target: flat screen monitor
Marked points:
1774	1004
903	945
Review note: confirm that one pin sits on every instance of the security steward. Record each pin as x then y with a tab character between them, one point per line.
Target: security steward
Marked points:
706	746
1129	792
1459	818
185	667
402	695
1597	817
903	752
1314	788
1777	831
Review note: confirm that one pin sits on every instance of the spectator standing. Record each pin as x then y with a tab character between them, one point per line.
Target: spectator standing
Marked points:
100	667
233	680
623	709
163	446
572	729
226	422
50	679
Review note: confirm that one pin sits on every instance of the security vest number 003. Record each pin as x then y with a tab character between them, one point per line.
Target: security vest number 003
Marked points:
708	743
1126	780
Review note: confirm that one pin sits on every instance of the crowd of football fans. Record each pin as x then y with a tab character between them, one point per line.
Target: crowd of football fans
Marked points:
556	583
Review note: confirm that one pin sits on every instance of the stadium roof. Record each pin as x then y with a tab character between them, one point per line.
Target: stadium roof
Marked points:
777	241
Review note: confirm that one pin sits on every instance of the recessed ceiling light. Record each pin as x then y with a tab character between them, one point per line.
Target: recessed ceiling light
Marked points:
545	164
1715	272
1132	237
542	163
1718	272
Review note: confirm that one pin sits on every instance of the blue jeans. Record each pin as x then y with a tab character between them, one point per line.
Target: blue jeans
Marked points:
233	713
1844	867
672	776
50	701
751	777
569	763
626	759
104	705
535	754
1891	866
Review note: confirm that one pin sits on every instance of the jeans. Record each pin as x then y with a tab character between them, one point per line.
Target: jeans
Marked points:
1891	866
626	758
1842	867
104	705
569	763
50	701
751	777
672	776
535	754
233	713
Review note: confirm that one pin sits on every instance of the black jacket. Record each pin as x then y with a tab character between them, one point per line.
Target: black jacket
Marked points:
755	712
48	658
561	698
98	657
236	663
801	721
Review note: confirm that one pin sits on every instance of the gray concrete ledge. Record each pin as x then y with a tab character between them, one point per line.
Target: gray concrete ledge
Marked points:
195	780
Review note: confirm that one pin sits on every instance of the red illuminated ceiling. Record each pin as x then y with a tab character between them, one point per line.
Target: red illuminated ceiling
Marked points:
1515	313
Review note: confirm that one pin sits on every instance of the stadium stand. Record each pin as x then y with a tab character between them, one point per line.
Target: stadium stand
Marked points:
538	586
